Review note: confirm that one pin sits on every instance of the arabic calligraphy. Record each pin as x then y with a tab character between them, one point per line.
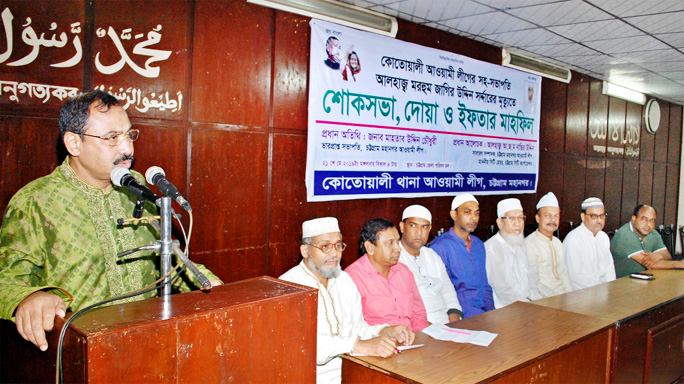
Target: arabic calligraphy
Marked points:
60	40
129	97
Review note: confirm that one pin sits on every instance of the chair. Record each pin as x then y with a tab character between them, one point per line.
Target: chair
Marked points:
667	233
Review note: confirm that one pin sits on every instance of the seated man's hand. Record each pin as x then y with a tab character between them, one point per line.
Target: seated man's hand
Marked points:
382	346
400	333
215	283
36	314
651	259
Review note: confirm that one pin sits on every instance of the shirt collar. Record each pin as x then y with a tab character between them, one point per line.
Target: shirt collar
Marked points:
71	177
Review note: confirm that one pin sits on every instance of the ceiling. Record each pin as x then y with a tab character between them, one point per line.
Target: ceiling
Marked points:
638	44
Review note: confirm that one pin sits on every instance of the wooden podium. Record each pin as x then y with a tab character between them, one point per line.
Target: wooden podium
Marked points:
252	331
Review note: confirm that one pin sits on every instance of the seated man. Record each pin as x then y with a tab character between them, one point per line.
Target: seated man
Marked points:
636	246
436	290
341	328
507	270
388	290
545	251
464	257
59	238
587	248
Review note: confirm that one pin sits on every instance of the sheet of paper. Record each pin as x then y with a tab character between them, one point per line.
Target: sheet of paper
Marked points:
443	332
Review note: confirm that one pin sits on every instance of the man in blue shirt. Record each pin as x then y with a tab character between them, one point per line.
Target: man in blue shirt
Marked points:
464	257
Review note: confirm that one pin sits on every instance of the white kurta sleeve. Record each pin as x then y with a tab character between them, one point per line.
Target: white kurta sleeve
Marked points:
448	291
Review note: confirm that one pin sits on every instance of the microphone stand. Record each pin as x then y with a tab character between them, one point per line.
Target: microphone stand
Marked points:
165	246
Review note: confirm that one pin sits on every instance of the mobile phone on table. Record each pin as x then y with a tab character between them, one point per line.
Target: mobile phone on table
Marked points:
642	276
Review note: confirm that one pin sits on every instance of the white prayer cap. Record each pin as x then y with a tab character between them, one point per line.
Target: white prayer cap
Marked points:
462	198
592	202
548	200
417	211
319	226
506	205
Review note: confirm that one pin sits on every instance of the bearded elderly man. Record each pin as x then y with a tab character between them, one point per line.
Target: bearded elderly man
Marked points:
587	248
464	257
509	274
545	251
59	238
388	290
341	328
436	290
637	247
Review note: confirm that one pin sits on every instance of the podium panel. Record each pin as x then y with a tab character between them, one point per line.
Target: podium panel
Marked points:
252	331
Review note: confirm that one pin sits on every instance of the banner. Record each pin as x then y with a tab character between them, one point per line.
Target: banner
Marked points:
394	119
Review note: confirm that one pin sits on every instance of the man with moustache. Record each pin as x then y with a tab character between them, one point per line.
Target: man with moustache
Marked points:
388	290
59	238
509	274
464	257
436	290
587	248
341	328
545	251
637	247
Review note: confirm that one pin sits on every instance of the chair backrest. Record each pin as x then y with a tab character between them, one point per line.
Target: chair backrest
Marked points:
667	233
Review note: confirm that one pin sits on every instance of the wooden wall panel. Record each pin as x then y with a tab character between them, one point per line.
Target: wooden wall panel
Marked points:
574	172
645	183
675	136
595	178
612	197
661	136
671	195
647	140
552	120
290	71
576	121
659	184
229	176
21	163
630	191
598	120
231	72
165	147
550	174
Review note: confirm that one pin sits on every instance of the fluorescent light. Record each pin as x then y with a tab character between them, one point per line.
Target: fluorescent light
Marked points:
336	12
528	64
615	90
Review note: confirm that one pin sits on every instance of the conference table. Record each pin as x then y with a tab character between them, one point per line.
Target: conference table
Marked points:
626	330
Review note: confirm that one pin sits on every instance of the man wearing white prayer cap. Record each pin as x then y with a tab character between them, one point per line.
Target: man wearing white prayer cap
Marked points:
341	327
508	272
587	248
464	257
436	290
545	251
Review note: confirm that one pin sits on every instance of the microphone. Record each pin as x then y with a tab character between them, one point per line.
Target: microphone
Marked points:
121	177
156	176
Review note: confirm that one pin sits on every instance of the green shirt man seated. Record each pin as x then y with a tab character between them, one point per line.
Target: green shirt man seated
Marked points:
637	247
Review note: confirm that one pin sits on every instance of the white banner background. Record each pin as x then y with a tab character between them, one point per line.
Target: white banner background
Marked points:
413	121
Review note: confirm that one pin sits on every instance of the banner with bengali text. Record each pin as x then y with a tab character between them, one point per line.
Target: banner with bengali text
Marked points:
389	118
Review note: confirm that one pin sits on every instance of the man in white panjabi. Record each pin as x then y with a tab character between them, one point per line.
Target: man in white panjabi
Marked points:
545	251
587	248
341	327
436	289
509	274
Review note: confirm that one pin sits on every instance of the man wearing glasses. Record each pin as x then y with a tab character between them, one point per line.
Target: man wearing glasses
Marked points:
636	246
341	327
59	238
587	248
509	274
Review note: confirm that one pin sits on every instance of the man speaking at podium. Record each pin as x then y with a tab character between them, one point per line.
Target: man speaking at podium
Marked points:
59	237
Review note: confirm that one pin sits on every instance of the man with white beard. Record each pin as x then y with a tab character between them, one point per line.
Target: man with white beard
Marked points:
341	327
508	272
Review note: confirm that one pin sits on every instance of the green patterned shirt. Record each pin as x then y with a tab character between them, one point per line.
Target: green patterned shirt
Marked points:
59	234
